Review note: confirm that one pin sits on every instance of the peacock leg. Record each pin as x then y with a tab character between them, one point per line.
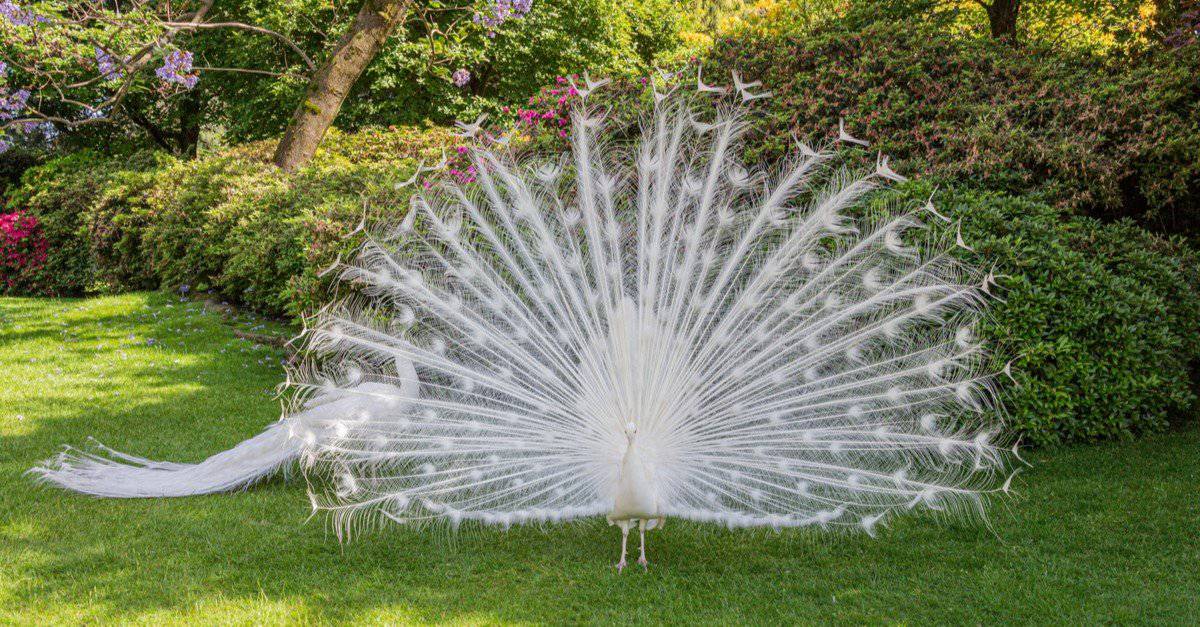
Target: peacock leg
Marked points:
624	537
642	559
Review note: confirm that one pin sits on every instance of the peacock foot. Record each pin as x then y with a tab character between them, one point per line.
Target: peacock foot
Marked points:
645	563
621	565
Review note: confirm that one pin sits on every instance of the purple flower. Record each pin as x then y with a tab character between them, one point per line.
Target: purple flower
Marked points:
109	67
177	68
3	69
12	104
16	15
461	77
500	12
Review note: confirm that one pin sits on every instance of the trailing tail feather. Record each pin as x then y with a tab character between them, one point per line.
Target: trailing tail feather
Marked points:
114	474
105	472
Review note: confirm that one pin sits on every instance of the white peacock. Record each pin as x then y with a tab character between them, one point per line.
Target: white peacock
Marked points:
640	331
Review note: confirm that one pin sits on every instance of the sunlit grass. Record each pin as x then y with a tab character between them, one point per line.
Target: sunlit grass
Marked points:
1097	534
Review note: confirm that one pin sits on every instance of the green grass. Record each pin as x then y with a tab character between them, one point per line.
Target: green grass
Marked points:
1106	533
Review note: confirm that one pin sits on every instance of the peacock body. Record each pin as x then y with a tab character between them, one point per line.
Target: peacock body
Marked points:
640	331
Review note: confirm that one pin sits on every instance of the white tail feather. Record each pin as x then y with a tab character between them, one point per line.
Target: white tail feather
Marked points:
103	471
110	473
784	362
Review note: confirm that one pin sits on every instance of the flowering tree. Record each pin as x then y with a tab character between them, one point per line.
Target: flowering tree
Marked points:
66	65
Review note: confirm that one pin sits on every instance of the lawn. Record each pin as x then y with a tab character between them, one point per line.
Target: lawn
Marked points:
1105	533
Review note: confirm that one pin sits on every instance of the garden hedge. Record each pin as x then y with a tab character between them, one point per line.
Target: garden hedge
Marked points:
1108	136
1100	317
227	223
1112	137
1101	320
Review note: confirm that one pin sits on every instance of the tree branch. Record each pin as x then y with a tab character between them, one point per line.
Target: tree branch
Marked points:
254	29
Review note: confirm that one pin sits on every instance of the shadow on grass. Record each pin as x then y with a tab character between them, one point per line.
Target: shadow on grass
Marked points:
1097	533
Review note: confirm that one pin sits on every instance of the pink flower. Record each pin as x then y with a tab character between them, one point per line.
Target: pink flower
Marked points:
22	249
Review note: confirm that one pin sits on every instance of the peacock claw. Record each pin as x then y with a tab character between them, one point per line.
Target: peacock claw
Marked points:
645	564
621	566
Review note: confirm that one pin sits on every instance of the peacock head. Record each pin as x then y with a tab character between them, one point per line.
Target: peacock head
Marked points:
630	430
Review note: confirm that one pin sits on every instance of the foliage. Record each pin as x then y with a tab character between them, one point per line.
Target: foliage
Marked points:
1082	132
70	67
1096	25
58	193
545	117
227	223
413	80
14	162
70	63
22	251
1102	321
116	221
1092	134
1086	306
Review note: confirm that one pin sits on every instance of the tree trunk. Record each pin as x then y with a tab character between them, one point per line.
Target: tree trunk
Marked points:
375	22
1002	18
190	115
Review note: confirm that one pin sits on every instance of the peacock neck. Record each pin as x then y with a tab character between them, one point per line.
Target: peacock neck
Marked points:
631	461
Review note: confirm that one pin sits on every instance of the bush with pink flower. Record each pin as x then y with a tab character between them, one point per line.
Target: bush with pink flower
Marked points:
545	118
22	251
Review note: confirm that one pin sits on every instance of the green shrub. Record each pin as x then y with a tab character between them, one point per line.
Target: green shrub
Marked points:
58	193
228	223
15	161
1107	136
85	203
116	222
1102	321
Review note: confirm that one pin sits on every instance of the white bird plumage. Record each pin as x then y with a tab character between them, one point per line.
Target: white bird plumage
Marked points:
844	136
471	129
703	87
640	333
743	88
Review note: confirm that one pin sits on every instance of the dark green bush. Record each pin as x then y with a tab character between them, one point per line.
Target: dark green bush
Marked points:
1102	320
236	226
14	162
116	221
59	193
90	209
1111	137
